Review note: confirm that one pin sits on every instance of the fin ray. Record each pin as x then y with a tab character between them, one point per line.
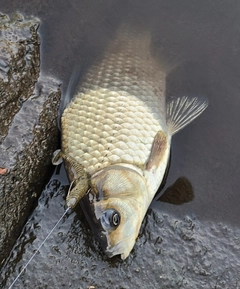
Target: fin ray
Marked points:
183	110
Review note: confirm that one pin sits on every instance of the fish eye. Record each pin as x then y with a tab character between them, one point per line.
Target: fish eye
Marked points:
110	219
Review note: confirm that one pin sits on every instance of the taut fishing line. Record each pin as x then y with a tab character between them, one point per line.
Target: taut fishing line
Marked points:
25	266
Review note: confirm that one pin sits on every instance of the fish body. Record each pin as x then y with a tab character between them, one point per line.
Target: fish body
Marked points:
116	136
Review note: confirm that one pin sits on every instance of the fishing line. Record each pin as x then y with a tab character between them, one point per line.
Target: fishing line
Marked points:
38	248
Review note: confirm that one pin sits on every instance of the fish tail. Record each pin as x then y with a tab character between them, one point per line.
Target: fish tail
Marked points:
71	89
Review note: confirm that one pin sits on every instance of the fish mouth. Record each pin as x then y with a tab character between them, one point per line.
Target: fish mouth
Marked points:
121	248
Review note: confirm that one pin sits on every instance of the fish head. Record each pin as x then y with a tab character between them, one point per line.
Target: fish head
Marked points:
115	208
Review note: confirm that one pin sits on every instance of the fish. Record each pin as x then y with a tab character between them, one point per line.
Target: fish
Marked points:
116	138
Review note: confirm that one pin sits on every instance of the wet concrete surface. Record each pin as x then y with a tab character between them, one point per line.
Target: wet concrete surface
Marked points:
174	250
192	245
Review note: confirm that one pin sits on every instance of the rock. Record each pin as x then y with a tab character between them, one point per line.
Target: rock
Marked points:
19	64
29	132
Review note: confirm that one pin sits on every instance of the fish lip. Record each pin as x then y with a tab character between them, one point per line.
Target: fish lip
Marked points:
111	251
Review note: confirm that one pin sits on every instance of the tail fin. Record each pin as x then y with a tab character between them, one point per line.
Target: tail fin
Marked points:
69	93
71	88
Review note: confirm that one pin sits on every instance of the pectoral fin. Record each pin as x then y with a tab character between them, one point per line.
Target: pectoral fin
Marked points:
79	178
74	195
77	175
159	147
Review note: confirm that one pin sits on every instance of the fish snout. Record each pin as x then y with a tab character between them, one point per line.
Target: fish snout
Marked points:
122	248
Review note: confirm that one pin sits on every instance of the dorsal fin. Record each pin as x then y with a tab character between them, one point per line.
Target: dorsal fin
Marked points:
183	110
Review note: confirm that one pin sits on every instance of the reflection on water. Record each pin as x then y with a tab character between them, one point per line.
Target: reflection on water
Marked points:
195	245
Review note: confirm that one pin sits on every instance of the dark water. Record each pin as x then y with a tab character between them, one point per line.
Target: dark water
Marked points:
192	245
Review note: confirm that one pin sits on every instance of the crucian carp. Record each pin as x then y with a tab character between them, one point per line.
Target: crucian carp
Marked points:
116	137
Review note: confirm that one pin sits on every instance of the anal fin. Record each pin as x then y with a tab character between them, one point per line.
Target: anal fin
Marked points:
183	110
